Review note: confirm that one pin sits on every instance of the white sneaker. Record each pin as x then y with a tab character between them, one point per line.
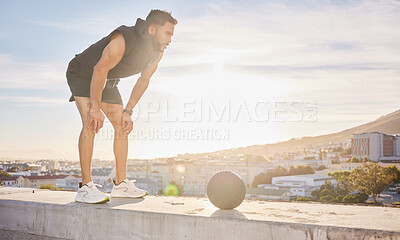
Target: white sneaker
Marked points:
90	194
127	189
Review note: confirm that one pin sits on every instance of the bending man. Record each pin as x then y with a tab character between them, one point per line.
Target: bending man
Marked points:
93	76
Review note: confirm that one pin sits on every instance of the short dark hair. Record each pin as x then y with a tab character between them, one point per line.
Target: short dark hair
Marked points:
160	17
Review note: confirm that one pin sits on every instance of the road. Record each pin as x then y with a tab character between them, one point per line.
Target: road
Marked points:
387	197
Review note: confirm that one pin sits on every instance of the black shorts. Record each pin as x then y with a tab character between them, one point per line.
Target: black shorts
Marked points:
79	84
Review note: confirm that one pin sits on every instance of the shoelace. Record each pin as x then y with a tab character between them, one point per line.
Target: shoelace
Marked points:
95	185
133	182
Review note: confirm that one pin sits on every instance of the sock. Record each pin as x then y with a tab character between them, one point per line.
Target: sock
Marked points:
80	184
116	183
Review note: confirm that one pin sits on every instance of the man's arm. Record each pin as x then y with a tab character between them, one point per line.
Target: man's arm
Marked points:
137	92
142	83
111	56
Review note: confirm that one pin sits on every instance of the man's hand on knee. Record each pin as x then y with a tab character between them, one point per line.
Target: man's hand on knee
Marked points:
127	124
97	119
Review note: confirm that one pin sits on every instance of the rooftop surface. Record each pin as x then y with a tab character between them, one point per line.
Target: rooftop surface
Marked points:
306	213
25	212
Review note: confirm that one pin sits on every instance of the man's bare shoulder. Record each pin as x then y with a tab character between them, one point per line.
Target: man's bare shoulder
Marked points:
116	45
118	38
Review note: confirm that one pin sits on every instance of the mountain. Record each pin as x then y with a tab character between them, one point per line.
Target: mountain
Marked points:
388	124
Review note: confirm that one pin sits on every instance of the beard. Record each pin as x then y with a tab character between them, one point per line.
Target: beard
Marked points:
157	45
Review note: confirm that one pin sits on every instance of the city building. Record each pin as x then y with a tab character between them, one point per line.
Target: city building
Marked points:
9	181
70	182
149	185
36	167
6	166
37	181
299	185
376	146
53	165
102	176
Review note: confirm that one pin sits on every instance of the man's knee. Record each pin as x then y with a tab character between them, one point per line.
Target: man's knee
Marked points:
87	131
119	132
85	122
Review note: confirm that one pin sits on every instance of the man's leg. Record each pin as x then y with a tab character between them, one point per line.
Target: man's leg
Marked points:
86	139
114	112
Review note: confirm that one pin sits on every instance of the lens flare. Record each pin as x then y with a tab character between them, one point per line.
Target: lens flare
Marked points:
180	168
171	190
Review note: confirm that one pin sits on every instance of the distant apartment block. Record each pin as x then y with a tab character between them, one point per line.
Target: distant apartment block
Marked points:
6	166
298	185
69	182
376	146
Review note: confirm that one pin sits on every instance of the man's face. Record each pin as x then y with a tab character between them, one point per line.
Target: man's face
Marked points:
161	35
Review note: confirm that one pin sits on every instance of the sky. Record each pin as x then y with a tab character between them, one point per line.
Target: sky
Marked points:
237	73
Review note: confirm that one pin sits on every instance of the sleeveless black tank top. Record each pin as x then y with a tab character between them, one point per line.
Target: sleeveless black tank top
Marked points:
137	56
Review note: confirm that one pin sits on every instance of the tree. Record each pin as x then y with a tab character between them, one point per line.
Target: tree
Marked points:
266	178
356	198
341	192
354	160
262	178
350	199
395	171
300	169
327	198
303	199
337	149
343	186
322	167
255	158
365	159
13	169
372	179
326	186
335	161
280	171
327	192
28	168
49	186
4	174
347	151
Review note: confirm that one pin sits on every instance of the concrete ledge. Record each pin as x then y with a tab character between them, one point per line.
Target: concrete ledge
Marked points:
54	214
17	235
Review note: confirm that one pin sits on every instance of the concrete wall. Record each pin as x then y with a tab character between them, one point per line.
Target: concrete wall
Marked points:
80	221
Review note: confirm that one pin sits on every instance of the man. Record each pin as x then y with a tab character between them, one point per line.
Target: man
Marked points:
93	76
